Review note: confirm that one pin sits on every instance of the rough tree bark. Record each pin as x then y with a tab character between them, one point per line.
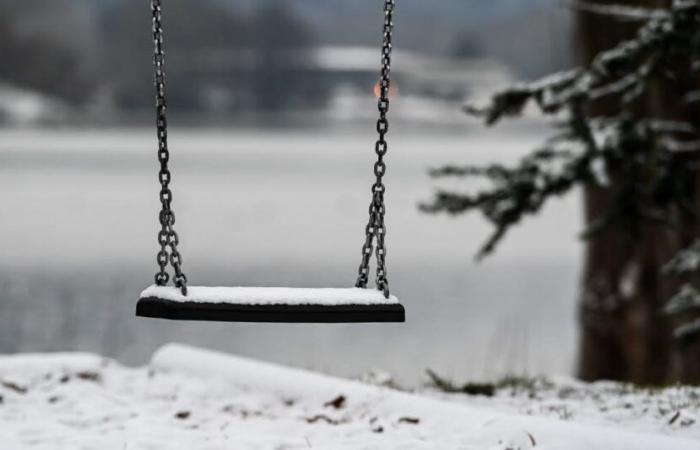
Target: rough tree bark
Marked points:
624	333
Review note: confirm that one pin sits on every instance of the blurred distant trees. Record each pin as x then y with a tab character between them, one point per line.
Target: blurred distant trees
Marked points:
38	54
627	132
279	40
229	56
191	30
216	59
467	45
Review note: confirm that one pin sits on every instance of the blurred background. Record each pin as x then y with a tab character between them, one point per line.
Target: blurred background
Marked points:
272	110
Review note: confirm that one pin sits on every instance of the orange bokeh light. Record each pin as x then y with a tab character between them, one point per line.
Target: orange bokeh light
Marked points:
393	90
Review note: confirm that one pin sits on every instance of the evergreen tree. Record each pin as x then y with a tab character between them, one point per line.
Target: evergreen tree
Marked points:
627	130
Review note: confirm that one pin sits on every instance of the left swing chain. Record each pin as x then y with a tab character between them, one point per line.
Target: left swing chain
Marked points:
167	237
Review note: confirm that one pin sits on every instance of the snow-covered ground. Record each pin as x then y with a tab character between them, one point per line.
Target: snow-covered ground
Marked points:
187	398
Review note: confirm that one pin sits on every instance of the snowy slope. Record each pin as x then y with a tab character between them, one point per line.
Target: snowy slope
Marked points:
195	399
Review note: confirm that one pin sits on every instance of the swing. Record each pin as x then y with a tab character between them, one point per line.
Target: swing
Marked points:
271	304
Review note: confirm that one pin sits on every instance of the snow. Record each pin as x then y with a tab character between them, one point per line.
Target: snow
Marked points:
25	107
672	410
271	295
189	398
686	300
29	363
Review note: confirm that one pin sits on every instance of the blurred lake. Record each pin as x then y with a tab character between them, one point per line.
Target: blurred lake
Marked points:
266	207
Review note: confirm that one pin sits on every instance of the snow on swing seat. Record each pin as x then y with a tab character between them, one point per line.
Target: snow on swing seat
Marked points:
269	304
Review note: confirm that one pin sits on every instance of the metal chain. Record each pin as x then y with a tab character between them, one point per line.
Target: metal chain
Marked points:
167	237
375	226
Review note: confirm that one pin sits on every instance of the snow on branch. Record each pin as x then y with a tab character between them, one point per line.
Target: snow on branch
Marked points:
685	261
621	12
648	158
517	191
688	331
686	300
623	70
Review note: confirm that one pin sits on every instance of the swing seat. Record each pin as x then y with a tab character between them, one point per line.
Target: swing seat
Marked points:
269	304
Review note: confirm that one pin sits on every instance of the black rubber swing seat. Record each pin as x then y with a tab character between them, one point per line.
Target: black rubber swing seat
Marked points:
270	304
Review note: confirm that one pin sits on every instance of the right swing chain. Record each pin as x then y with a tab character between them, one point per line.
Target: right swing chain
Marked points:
375	226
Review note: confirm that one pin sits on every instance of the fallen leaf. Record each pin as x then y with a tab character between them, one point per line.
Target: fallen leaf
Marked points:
88	376
14	387
337	403
674	418
322	418
182	415
532	439
410	420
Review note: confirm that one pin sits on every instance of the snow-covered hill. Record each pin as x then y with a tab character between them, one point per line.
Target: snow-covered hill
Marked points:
188	398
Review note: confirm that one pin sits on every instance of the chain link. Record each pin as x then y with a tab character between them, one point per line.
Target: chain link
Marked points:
375	228
167	237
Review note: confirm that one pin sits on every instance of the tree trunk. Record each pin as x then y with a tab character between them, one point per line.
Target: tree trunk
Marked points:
624	333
